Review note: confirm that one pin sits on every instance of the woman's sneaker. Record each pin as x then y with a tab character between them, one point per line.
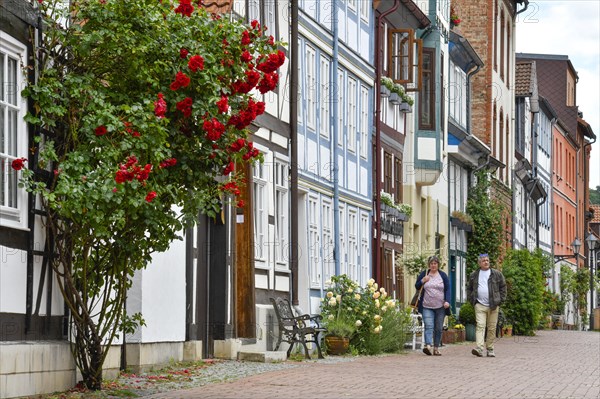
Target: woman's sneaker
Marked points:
477	352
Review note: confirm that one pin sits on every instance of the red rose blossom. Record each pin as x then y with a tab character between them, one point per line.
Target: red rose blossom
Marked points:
18	163
196	63
183	53
181	80
185	8
223	105
160	106
246	56
100	130
241	204
151	195
228	169
168	162
185	106
246	38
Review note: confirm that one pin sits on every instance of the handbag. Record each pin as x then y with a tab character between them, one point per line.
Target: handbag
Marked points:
414	302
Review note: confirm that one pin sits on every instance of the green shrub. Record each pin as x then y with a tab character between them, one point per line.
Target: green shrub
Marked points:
525	283
467	313
380	324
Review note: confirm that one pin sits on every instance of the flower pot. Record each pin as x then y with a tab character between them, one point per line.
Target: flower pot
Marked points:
336	345
395	99
470	332
384	91
460	335
507	331
405	107
449	336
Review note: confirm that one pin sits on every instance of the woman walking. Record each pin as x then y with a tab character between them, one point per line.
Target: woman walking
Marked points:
435	299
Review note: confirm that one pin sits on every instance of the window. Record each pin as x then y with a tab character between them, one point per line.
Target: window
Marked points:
352	245
403	58
457	93
401	55
324	100
387	172
311	87
342	254
427	93
495	27
265	12
502	27
314	242
13	131
300	89
397	180
352	114
365	10
341	102
365	260
364	122
494	132
328	243
352	5
260	198
281	213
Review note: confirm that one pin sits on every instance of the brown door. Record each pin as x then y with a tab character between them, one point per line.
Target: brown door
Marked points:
388	271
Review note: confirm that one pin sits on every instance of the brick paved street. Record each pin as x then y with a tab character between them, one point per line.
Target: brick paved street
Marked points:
553	364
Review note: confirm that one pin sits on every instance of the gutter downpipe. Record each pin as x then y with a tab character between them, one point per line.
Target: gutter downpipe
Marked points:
336	127
294	150
377	214
586	222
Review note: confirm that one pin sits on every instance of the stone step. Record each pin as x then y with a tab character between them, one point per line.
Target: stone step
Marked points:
263	357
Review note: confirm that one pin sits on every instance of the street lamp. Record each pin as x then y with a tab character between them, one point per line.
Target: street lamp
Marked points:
576	244
591	241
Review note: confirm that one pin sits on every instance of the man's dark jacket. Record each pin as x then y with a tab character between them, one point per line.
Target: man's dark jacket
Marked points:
496	288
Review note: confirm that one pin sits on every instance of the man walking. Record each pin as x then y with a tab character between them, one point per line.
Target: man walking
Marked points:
486	290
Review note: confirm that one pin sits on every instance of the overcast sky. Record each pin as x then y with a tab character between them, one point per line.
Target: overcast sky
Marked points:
569	28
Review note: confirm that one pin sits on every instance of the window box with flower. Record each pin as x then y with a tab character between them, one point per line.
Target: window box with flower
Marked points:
454	18
386	86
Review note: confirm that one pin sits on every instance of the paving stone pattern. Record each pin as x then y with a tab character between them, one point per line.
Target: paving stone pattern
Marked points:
553	364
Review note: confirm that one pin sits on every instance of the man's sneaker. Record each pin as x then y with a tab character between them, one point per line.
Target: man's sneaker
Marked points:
490	353
427	350
477	352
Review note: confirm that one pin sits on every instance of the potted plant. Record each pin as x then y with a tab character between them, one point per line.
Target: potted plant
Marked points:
338	317
454	18
507	330
407	103
386	86
467	317
397	94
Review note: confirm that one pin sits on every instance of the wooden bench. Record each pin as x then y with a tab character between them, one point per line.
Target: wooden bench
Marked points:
296	329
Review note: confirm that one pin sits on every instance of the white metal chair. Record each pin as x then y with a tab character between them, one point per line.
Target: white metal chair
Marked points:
417	329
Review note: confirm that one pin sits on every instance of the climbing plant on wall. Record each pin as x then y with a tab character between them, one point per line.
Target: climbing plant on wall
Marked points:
487	224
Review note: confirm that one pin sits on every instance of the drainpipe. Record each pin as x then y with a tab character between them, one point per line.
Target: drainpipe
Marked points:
377	214
586	222
336	127
294	150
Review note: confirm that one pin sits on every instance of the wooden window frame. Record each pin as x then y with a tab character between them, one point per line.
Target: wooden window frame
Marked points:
431	72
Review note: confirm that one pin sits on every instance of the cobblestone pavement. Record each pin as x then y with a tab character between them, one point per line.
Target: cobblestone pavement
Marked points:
553	364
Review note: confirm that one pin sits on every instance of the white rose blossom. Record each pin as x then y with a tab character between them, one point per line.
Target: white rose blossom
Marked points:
358	323
329	294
